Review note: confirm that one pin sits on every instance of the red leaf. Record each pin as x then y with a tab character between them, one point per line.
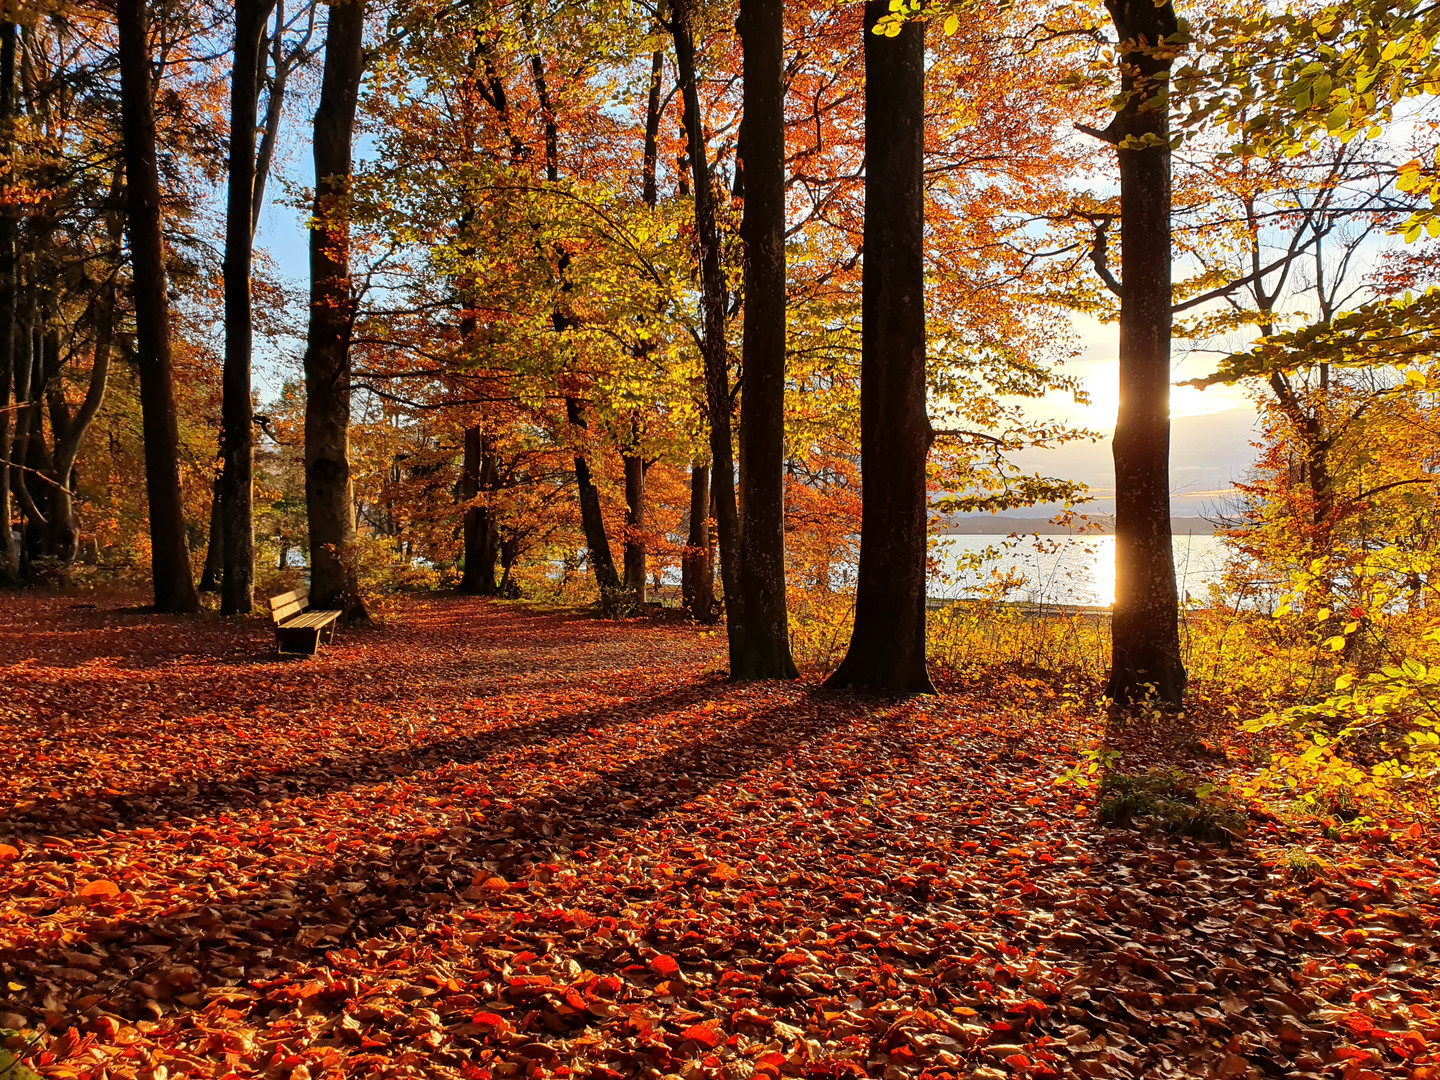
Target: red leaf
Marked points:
489	1019
706	1036
100	890
665	966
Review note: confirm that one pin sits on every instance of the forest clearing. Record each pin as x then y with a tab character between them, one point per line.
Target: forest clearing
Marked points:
719	539
487	841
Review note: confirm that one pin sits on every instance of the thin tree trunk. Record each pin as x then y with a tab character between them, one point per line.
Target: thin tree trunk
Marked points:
169	554
765	653
634	526
237	438
1145	630
214	568
64	524
715	300
591	519
24	365
9	550
697	572
482	539
887	646
329	500
632	459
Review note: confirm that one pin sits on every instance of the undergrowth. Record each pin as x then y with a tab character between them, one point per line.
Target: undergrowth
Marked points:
1166	799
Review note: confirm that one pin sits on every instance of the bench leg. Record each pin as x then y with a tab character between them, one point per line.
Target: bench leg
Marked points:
297	642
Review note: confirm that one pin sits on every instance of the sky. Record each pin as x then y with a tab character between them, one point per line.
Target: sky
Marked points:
1211	433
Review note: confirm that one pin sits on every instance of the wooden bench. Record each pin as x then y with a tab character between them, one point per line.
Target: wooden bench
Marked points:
297	628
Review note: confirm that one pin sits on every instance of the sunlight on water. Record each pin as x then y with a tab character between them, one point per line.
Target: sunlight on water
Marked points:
1058	569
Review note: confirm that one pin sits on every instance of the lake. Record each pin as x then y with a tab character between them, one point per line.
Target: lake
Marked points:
1059	569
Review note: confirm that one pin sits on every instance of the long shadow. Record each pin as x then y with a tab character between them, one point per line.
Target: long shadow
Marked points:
1179	953
266	928
328	775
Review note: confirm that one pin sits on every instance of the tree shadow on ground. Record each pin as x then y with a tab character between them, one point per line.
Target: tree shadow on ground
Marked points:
275	923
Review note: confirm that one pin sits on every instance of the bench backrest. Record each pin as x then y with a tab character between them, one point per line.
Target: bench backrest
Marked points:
289	604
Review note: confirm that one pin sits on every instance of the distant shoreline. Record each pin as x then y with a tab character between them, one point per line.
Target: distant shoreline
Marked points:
1088	525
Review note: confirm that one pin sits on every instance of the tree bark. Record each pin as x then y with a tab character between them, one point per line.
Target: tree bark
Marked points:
697	572
887	646
329	499
9	550
482	536
765	651
714	300
591	519
24	365
214	568
1145	631
237	439
651	157
634	526
70	432
169	554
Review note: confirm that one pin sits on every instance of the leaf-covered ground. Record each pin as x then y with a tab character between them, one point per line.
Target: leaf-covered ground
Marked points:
481	841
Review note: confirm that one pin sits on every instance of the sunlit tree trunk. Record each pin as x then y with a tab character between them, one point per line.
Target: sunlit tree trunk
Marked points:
169	554
1145	630
765	651
329	499
887	646
602	562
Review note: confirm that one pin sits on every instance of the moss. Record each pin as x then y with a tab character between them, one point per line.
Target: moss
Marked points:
1165	799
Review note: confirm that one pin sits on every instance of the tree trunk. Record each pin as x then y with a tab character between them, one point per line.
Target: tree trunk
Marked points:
1145	630
887	646
765	651
169	553
482	537
329	500
9	550
697	572
70	432
214	568
715	301
237	439
24	365
634	526
591	519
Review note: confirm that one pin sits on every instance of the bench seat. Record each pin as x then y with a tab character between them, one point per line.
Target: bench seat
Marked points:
298	629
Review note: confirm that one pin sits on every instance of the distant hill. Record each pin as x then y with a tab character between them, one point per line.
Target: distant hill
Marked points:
1089	524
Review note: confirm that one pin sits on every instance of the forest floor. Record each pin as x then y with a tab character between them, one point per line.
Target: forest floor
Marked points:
485	841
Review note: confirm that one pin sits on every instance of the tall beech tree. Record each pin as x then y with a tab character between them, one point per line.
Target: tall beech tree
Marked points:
1145	629
174	584
329	499
763	650
237	585
887	646
9	265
